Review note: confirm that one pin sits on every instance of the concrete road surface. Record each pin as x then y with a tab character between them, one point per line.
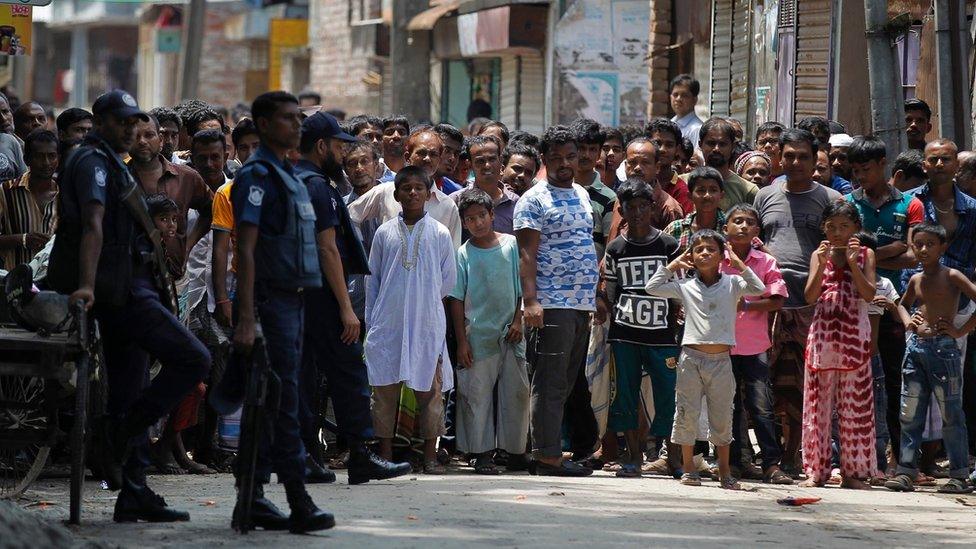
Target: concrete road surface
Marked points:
466	510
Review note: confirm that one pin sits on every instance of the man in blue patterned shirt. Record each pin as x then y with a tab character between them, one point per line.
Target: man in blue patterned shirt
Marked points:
949	207
946	205
558	267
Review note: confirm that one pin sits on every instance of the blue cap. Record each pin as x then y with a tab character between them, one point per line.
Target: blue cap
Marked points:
119	103
323	125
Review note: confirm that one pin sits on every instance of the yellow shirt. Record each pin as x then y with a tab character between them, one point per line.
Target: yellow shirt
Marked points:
223	212
223	217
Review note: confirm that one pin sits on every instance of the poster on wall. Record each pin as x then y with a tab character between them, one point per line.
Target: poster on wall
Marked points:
15	29
601	49
594	95
630	23
634	96
583	34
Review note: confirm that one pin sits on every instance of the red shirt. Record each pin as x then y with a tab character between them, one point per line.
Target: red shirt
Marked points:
678	190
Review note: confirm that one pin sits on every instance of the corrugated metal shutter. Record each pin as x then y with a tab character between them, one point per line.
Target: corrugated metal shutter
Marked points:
532	101
812	57
721	57
739	88
786	62
508	92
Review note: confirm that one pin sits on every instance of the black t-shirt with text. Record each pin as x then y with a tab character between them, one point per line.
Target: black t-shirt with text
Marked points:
637	317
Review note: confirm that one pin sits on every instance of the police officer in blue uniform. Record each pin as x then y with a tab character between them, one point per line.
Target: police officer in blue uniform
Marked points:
103	256
276	260
332	329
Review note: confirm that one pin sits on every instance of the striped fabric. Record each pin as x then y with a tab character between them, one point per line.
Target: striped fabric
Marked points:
19	214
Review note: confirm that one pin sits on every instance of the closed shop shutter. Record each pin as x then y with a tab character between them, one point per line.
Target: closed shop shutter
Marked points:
508	104
812	58
786	62
532	100
721	57
739	88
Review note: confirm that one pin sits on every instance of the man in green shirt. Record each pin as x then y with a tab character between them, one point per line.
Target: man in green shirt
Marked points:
716	139
589	142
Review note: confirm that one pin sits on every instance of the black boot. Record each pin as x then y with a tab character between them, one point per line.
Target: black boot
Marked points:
113	448
316	473
137	502
364	466
305	516
264	514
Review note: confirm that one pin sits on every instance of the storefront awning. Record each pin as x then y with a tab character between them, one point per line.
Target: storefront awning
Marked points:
425	20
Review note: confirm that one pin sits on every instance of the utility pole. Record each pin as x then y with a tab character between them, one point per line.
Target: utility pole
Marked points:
193	26
952	62
887	101
410	56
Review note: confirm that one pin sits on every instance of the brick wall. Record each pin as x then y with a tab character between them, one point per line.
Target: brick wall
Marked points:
223	64
341	56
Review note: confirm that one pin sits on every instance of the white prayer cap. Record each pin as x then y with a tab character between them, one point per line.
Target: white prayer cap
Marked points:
841	140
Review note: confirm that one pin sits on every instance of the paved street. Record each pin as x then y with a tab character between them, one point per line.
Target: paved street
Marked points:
466	510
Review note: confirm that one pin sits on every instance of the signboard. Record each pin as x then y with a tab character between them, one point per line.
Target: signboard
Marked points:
15	29
283	34
26	2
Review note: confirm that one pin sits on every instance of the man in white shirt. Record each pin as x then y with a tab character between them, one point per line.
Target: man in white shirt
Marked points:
423	149
684	96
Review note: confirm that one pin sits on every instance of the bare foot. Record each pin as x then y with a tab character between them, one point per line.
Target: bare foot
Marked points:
184	461
810	483
854	484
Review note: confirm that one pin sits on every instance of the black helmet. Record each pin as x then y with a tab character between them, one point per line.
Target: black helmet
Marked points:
32	309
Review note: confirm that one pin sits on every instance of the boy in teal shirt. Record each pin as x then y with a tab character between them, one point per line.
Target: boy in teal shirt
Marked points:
486	308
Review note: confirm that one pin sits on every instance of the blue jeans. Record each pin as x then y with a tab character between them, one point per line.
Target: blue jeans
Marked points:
932	367
881	434
755	395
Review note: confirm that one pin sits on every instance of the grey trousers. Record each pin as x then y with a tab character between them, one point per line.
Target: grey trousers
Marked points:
555	353
485	422
703	375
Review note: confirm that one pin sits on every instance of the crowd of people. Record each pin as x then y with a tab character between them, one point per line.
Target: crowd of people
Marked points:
674	299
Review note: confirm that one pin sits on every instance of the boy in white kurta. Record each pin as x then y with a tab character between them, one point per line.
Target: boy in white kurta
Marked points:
413	266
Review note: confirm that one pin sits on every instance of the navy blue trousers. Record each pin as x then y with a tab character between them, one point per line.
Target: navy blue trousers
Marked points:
130	335
341	364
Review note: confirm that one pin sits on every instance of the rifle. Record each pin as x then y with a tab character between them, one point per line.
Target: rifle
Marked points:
262	391
135	201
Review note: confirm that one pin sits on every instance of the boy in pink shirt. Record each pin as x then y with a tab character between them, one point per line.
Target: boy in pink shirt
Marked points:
752	341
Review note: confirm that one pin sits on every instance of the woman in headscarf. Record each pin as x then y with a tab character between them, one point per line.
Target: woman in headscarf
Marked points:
754	166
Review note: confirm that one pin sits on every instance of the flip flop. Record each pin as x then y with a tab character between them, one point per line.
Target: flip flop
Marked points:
483	465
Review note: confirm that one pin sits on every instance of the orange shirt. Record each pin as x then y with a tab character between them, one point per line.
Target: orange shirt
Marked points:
223	217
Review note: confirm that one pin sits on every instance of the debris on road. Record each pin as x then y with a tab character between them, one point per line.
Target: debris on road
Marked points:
796	502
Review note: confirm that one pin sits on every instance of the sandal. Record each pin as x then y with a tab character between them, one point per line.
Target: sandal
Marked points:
432	467
956	486
775	475
691	479
483	465
900	483
729	483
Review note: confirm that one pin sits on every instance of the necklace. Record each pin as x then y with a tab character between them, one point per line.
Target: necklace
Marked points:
405	259
952	203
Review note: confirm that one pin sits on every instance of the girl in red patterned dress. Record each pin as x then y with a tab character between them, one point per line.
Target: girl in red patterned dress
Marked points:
838	353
